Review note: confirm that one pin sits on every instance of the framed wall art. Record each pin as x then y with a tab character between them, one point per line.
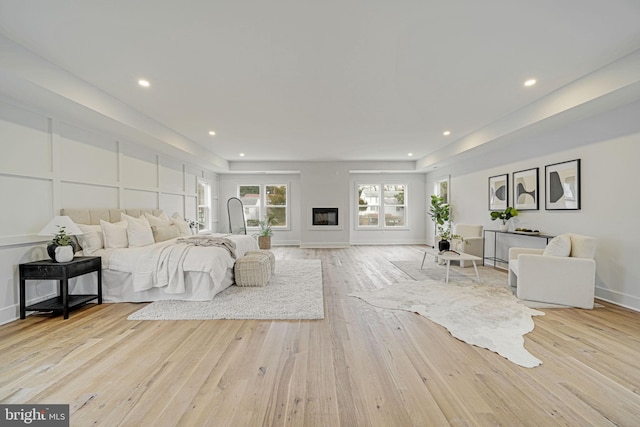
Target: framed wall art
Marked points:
525	190
562	186
498	192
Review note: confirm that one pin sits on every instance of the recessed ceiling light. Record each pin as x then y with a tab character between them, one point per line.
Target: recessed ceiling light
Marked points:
410	154
530	82
446	133
212	133
144	83
241	154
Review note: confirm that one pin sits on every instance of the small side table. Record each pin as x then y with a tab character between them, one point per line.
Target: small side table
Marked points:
62	271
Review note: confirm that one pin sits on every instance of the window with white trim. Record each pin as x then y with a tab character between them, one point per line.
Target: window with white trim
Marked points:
265	200
382	206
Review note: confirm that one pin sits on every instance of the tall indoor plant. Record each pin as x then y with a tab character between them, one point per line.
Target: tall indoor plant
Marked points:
440	213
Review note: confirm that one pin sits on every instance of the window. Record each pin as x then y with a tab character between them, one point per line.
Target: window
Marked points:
381	205
250	197
261	201
204	205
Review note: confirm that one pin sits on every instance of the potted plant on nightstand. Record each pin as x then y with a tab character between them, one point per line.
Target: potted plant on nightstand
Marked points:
505	216
264	237
61	248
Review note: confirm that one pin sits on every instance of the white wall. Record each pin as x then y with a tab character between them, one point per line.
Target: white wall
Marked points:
610	203
47	164
331	184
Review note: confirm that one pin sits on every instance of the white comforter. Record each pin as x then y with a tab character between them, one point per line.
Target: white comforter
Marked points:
162	265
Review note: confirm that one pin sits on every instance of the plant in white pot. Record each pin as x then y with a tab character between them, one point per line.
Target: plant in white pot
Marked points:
504	217
61	248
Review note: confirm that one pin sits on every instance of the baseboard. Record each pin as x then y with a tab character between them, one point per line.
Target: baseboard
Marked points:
623	300
408	243
12	312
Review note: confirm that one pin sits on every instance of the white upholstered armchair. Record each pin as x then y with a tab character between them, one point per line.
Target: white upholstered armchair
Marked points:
472	245
562	273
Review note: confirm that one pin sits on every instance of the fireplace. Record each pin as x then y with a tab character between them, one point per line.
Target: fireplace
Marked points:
324	216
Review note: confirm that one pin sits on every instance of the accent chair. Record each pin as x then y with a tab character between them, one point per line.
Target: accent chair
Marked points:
473	241
563	273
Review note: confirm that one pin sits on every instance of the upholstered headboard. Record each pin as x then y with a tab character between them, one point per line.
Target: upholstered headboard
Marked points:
93	216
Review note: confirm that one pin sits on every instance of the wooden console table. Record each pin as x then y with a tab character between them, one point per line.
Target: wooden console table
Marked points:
62	271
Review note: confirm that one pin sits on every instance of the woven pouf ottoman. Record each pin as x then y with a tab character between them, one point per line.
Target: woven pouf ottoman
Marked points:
252	270
272	258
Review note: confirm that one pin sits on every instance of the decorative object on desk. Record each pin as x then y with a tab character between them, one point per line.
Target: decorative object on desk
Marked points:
264	237
562	185
525	190
504	216
61	248
498	192
526	231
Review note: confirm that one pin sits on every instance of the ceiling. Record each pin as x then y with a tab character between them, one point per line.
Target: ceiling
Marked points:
291	80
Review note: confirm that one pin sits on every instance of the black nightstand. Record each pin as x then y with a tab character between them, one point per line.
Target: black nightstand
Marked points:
62	271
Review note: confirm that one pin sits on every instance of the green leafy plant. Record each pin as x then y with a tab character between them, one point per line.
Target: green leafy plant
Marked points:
265	226
504	216
439	211
445	234
61	238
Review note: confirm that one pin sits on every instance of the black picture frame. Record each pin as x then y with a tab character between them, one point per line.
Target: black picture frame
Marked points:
498	192
562	186
526	190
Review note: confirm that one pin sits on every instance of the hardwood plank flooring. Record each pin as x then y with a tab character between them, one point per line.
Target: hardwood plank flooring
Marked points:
360	366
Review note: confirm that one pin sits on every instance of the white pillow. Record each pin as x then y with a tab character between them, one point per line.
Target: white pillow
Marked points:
161	220
114	234
558	246
138	231
182	224
91	238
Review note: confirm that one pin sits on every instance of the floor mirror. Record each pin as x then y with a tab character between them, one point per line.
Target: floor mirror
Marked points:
235	209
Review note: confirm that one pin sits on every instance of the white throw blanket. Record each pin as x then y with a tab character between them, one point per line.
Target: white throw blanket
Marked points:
222	242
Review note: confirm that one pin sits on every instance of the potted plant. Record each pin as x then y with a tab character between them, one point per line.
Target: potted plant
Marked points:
505	216
61	248
264	237
440	213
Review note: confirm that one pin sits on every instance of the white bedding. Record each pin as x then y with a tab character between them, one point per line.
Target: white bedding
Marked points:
166	270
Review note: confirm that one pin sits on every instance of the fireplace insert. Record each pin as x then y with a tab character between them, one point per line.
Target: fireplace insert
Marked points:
325	216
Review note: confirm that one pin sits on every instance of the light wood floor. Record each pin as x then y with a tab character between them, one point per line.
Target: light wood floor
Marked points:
360	366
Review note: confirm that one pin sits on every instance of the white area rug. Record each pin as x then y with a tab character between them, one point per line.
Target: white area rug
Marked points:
295	292
487	316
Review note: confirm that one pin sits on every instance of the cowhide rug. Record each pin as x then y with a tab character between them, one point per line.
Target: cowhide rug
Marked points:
487	316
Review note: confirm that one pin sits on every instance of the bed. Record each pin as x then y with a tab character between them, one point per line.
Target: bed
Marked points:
170	265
